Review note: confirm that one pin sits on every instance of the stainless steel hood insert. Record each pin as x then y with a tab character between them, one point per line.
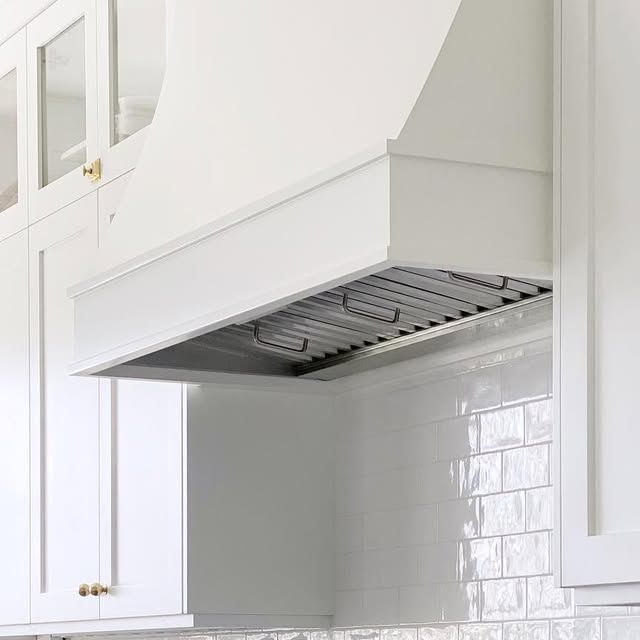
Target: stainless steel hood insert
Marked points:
328	335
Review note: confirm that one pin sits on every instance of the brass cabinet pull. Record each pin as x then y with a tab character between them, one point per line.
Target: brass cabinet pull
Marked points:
92	170
84	590
98	589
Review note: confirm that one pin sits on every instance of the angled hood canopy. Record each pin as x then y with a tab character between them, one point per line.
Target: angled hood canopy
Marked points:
301	148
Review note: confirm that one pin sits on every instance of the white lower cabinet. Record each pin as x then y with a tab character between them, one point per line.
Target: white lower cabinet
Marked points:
597	342
106	457
181	507
14	431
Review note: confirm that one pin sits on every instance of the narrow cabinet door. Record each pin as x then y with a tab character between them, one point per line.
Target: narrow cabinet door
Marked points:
140	482
141	498
598	342
64	423
14	430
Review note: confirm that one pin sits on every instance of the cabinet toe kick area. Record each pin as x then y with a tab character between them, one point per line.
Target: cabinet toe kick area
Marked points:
351	270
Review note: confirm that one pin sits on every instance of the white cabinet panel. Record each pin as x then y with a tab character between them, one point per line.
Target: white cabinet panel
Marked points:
140	498
14	431
64	423
13	135
598	230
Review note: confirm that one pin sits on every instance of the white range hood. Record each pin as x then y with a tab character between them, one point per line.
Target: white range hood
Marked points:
322	178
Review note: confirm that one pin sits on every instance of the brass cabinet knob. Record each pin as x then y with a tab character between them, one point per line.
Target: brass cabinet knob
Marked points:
92	170
98	589
84	590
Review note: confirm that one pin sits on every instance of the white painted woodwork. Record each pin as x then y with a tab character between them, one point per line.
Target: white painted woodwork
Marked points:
49	24
13	57
598	228
64	424
377	210
140	498
14	431
14	14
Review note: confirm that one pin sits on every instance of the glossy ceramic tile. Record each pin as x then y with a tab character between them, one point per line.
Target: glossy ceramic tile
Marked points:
504	599
531	630
502	429
539	508
581	629
526	378
459	519
526	467
480	632
539	421
621	628
418	602
459	601
544	600
480	559
480	390
458	437
480	475
437	632
503	513
526	554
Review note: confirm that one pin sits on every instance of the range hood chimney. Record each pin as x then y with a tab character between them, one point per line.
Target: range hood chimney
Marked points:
324	177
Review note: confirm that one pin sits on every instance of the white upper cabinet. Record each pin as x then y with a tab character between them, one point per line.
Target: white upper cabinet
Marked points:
92	89
14	431
597	261
13	136
62	91
130	77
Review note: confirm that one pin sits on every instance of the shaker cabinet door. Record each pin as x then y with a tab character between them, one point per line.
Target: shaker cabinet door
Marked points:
140	498
14	431
64	424
598	343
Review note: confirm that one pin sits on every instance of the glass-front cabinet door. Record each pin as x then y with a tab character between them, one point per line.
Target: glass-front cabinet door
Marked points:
13	136
134	33
63	141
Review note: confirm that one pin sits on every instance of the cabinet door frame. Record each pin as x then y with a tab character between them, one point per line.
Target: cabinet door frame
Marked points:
589	558
13	56
120	158
133	600
40	31
14	399
68	605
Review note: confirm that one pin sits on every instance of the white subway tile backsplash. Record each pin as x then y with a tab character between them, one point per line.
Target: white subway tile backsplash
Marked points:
362	634
422	404
580	629
459	601
480	559
502	513
539	421
544	600
459	519
349	570
458	437
418	603
502	429
389	567
349	533
621	628
438	563
480	390
400	527
526	554
480	632
481	474
400	633
539	508
380	606
526	467
439	481
526	378
438	632
531	630
416	446
504	599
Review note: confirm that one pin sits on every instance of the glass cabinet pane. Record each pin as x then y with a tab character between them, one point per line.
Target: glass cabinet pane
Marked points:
138	71
8	141
63	104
